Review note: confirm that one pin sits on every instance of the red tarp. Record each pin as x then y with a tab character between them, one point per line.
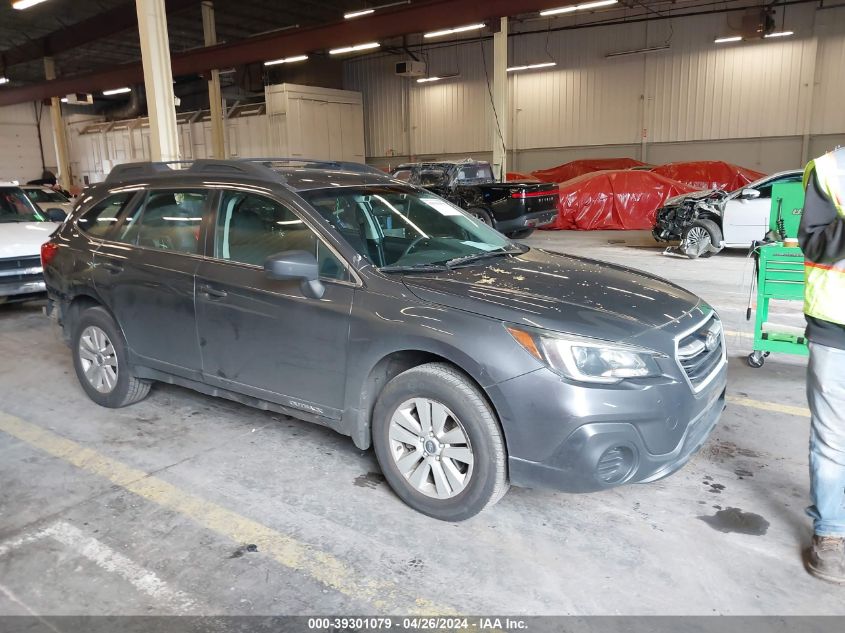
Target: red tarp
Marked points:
619	199
709	174
570	170
515	175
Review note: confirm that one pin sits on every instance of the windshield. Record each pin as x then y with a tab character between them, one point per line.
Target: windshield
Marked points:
16	207
42	195
397	226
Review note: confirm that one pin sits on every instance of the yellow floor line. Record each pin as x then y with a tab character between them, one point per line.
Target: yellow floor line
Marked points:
287	551
769	406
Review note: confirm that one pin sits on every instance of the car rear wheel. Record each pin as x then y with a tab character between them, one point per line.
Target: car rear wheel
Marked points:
101	364
701	239
482	215
439	444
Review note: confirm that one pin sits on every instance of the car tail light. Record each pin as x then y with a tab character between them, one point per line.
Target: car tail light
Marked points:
531	194
49	250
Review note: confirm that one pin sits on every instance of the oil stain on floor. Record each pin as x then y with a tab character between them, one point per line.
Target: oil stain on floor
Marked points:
735	520
370	480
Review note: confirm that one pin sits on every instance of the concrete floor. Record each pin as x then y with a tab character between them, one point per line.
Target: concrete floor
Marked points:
149	509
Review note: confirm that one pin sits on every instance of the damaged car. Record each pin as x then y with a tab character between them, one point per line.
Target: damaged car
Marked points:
512	208
705	222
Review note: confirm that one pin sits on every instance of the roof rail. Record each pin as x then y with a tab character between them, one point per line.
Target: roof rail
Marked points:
313	163
209	167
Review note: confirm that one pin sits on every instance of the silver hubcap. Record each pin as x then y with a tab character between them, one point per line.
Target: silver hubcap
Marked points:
431	448
99	362
482	218
698	238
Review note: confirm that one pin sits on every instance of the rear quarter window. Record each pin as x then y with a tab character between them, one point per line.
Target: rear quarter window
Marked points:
102	217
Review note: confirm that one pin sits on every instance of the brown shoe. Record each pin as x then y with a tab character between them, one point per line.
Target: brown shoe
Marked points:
826	558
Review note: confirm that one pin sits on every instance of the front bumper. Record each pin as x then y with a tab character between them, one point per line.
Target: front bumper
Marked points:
527	221
584	439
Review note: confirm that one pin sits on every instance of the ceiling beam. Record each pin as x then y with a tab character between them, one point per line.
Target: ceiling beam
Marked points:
85	31
415	18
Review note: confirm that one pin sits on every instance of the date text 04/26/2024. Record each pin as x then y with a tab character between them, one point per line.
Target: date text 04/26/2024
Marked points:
417	624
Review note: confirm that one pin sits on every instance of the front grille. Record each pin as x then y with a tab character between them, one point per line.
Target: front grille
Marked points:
701	352
20	269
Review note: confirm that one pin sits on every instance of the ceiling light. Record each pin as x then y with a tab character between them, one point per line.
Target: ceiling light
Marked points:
357	14
579	7
458	29
730	38
116	91
779	34
25	4
353	49
425	80
513	69
63	99
4	80
287	60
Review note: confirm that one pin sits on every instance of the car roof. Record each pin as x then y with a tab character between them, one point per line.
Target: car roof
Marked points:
295	174
9	183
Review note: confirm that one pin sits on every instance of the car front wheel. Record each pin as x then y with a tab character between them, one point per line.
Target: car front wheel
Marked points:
439	444
101	363
702	238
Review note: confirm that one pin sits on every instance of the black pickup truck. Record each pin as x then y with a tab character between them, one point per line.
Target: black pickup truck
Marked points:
512	208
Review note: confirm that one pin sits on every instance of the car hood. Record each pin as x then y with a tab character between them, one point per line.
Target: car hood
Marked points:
559	292
695	195
23	239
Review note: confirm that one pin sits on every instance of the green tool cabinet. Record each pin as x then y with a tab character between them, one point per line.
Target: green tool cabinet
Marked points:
780	275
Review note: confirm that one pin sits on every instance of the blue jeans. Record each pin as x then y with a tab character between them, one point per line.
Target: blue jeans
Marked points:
826	395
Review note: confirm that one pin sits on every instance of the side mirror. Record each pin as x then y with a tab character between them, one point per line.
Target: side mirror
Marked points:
749	194
54	214
296	265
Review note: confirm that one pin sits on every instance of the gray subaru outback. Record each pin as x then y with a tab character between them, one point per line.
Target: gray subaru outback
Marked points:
335	294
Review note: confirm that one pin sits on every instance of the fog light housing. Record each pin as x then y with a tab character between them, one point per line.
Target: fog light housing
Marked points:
616	464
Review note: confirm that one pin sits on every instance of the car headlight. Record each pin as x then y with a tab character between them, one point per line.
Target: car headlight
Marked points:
588	360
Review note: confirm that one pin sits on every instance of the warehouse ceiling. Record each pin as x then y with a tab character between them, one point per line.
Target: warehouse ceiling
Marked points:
87	36
235	19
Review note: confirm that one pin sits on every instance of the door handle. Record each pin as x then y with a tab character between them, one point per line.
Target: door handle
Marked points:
212	293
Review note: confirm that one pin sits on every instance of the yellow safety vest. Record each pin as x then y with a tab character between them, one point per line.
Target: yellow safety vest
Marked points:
824	292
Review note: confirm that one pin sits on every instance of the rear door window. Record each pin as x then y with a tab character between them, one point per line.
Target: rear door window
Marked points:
169	220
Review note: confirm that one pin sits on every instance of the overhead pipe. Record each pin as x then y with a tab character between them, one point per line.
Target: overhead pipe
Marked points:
416	18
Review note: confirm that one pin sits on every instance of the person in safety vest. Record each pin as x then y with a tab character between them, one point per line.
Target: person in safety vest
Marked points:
822	239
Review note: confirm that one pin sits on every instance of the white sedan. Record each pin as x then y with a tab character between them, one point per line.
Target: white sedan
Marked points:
23	229
706	221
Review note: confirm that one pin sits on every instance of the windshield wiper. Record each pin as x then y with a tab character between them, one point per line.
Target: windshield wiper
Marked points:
467	259
416	268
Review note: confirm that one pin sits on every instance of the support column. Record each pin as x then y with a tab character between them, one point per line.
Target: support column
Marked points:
209	30
158	80
59	135
500	100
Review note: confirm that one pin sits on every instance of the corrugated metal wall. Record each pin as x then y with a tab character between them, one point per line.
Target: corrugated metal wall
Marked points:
695	91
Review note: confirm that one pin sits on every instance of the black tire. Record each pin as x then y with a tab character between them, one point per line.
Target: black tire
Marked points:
714	234
443	383
127	389
481	214
521	234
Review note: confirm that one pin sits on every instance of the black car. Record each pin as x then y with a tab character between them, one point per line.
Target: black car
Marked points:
373	307
512	208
